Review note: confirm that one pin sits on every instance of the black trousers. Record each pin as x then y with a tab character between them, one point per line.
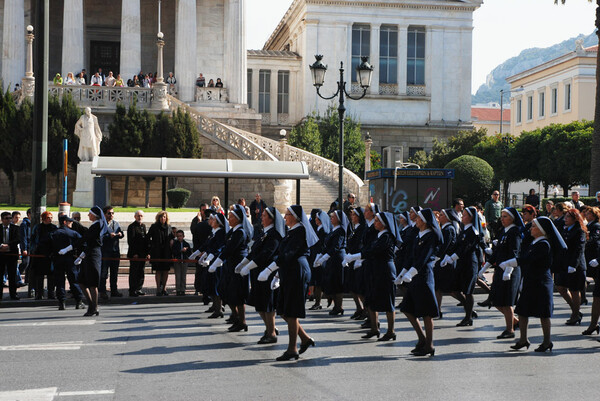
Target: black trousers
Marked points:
43	267
8	265
111	266
136	276
64	265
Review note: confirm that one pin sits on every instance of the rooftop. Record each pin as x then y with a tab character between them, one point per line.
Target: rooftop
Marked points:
489	114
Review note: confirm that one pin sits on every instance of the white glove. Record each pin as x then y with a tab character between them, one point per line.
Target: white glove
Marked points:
275	282
206	261
324	259
202	258
400	276
246	269
431	264
358	263
319	255
241	265
217	263
511	262
507	272
593	263
454	257
445	261
488	251
571	269
264	275
195	254
349	258
407	278
495	242
79	259
486	266
65	250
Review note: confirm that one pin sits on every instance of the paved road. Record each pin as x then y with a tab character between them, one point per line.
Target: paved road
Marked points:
172	352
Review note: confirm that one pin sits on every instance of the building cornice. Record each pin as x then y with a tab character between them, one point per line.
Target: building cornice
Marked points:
549	64
456	5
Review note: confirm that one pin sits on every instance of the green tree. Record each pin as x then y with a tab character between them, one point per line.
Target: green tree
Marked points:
595	146
443	151
306	135
493	150
8	140
472	180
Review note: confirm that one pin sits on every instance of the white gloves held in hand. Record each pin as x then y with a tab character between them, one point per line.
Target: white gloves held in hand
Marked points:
398	280
264	275
65	250
571	269
593	263
275	282
217	263
410	274
79	259
246	269
241	265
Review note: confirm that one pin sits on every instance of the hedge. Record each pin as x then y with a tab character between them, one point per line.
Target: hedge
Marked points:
473	178
178	197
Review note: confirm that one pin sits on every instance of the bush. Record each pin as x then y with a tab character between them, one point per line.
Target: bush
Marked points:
178	197
587	200
472	180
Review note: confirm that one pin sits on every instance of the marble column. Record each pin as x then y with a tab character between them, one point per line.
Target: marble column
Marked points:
402	62
235	51
274	89
374	58
72	42
185	49
131	39
13	43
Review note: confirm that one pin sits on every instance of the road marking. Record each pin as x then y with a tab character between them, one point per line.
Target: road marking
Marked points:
52	323
61	346
47	394
81	393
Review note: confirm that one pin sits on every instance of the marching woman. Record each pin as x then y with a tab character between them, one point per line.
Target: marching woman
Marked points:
334	252
234	287
322	222
592	254
529	214
404	251
89	275
355	244
160	239
536	297
506	281
212	247
420	300
444	276
261	256
467	262
294	276
570	277
362	273
379	257
559	215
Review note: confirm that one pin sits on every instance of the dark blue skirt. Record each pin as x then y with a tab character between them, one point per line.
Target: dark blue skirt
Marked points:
420	300
89	273
261	295
293	289
504	293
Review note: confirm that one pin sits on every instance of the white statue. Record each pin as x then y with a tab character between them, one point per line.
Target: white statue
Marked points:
90	136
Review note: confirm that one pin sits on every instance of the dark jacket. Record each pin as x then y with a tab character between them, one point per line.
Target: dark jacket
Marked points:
25	234
177	250
136	240
13	241
110	245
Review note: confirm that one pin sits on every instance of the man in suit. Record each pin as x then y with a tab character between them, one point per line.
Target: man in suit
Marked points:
138	248
110	249
9	253
24	240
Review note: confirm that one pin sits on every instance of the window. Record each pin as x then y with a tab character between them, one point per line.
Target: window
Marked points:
554	107
388	55
361	46
567	96
416	56
264	91
519	116
249	84
529	108
413	151
283	92
542	104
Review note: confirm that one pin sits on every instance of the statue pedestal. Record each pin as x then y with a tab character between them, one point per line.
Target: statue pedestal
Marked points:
84	186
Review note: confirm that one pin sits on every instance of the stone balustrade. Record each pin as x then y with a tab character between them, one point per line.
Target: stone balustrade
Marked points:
211	95
104	96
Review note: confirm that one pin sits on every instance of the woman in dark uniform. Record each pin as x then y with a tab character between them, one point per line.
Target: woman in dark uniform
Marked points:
506	281
294	274
354	245
234	288
89	275
322	222
334	251
592	254
362	272
559	215
529	214
212	247
536	297
444	276
160	239
379	257
262	254
467	262
570	277
41	247
420	300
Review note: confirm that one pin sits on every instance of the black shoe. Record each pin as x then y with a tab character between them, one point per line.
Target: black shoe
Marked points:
506	334
315	307
304	346
460	304
465	322
15	297
286	356
574	321
589	332
423	352
584	301
140	293
238	327
159	293
544	348
133	294
474	315
371	333
165	293
216	315
231	319
80	305
520	345
440	316
115	294
267	340
388	337
104	296
366	324
92	313
487	302
211	309
418	347
329	302
356	315
61	305
336	311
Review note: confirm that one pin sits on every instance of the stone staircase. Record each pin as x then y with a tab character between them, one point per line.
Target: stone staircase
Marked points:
316	193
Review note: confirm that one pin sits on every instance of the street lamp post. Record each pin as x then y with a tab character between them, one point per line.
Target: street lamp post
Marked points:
365	73
506	140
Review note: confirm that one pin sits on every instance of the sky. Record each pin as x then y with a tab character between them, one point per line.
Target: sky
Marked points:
502	28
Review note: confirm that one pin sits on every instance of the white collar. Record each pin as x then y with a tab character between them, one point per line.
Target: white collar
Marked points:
237	226
95	221
380	233
267	228
422	233
370	222
447	224
467	226
320	227
508	228
538	239
214	230
356	225
295	226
